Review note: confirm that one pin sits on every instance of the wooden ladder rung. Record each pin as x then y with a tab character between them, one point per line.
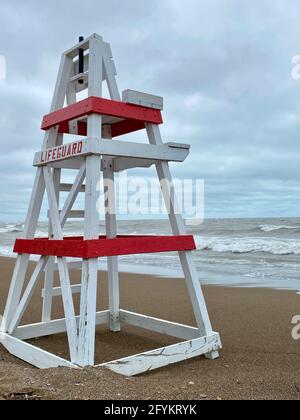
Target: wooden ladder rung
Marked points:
76	214
68	187
80	76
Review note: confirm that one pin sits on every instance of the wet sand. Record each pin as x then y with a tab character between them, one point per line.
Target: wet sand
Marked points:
259	360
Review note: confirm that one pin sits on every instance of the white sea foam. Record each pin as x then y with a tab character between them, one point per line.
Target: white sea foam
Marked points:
250	245
11	229
272	228
6	251
261	253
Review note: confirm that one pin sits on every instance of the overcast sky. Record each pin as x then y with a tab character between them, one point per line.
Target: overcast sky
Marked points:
223	67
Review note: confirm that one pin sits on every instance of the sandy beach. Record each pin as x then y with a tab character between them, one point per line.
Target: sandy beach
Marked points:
260	360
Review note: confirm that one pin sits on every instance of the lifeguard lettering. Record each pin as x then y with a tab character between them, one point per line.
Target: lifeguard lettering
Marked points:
62	152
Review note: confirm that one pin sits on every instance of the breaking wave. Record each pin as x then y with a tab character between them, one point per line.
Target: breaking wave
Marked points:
272	228
250	245
11	228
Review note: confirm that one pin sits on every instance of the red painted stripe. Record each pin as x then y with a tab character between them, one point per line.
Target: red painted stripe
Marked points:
126	127
76	247
117	129
94	105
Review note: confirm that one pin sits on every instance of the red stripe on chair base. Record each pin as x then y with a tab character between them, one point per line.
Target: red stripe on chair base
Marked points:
77	247
117	129
94	105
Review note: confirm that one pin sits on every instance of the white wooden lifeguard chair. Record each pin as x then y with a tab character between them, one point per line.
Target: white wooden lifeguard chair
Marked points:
98	120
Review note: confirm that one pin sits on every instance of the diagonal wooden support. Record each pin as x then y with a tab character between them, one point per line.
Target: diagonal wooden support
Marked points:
88	302
52	139
178	227
62	267
111	233
109	72
33	355
56	326
49	275
28	294
155	359
73	194
109	204
20	269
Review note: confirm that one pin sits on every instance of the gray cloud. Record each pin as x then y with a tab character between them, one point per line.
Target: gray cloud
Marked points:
223	66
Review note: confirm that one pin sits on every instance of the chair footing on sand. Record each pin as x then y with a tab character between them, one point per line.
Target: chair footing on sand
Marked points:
129	366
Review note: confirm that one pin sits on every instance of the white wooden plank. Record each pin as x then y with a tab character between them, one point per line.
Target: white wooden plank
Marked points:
160	326
195	292
88	302
92	194
93	146
68	307
95	66
164	175
53	205
178	228
76	214
47	296
86	67
19	273
35	278
62	82
61	153
65	187
33	355
36	197
113	67
49	275
15	290
71	98
73	195
79	76
63	267
75	265
85	64
111	233
135	365
139	98
122	164
72	163
138	150
35	205
58	100
109	72
56	291
56	326
108	50
85	45
178	145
